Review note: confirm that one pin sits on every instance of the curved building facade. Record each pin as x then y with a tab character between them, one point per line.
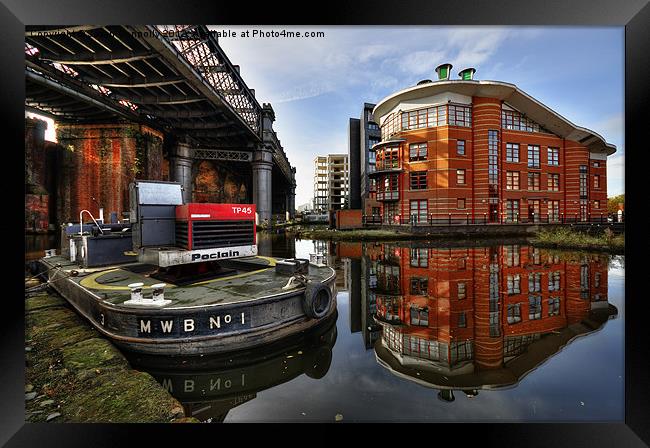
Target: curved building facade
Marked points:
464	150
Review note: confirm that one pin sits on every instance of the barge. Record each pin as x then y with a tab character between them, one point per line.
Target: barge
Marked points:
186	279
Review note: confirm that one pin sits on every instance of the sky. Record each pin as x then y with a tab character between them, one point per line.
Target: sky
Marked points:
316	84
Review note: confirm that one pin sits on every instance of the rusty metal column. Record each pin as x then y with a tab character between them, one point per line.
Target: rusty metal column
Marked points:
181	169
262	172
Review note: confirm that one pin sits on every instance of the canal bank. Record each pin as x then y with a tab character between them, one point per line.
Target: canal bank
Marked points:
598	239
74	375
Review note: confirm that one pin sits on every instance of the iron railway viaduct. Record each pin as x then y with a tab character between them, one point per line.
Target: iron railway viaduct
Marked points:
145	102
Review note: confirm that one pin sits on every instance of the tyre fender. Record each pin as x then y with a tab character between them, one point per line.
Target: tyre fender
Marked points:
317	300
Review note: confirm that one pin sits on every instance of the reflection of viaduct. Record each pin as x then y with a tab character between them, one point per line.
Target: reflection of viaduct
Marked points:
474	318
154	102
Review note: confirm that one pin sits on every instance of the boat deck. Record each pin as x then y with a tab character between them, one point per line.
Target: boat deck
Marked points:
109	283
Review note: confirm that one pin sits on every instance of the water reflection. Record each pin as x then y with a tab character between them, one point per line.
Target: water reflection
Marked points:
209	387
459	318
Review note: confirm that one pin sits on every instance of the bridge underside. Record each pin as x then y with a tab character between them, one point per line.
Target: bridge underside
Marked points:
133	102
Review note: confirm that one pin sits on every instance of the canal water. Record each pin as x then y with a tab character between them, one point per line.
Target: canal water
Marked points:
429	333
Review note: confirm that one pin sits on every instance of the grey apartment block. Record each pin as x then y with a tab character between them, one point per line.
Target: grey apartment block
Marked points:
331	182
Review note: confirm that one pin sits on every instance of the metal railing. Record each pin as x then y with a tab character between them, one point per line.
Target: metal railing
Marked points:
484	219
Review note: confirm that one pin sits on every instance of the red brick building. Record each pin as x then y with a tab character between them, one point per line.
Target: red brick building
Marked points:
462	313
464	150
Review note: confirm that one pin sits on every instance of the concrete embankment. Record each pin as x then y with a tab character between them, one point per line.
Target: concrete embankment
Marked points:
73	374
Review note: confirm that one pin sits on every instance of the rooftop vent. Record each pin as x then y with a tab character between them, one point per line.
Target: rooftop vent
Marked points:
467	74
443	71
424	81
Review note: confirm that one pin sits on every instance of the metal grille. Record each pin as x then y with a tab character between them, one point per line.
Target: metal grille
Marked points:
208	234
181	234
199	48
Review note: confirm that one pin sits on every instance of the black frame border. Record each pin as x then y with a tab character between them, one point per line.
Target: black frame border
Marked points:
634	15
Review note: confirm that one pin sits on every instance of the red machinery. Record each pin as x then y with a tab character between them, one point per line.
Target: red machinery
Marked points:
204	226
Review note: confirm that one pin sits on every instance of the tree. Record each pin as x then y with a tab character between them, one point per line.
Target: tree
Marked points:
612	203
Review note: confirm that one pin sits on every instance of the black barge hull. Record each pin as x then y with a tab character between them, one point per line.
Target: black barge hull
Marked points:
188	329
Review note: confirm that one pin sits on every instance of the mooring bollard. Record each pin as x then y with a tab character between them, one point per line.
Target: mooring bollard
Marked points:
50	253
136	291
158	292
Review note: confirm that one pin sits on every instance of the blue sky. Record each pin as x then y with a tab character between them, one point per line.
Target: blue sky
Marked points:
316	84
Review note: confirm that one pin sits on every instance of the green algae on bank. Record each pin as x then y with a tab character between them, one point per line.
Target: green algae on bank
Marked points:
75	375
573	239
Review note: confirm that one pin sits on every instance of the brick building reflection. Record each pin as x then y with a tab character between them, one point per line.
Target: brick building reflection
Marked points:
475	318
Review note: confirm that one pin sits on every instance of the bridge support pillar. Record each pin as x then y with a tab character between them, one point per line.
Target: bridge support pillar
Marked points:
291	208
291	202
262	176
181	169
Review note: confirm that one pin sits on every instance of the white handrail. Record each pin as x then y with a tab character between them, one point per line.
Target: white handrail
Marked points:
81	223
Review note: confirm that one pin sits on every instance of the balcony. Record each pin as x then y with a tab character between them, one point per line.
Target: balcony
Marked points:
388	195
385	168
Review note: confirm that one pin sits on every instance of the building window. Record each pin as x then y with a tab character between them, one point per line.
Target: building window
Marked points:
419	286
493	161
389	158
462	263
419	316
460	115
554	306
596	182
417	151
462	320
596	204
420	257
514	313
534	307
554	281
512	210
554	156
460	147
512	180
583	209
533	156
512	152
460	177
418	211
418	180
460	203
597	280
533	181
554	210
512	255
461	291
513	120
553	182
535	282
534	255
596	164
583	182
514	284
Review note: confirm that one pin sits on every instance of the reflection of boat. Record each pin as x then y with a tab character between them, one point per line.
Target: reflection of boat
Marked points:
185	278
481	317
209	386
